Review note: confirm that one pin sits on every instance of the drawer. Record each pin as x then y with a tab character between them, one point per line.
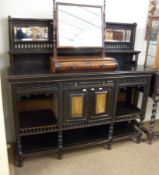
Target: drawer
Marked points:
133	80
89	84
32	87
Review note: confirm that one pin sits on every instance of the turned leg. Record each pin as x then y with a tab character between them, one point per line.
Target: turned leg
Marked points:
152	121
60	145
110	137
19	161
139	131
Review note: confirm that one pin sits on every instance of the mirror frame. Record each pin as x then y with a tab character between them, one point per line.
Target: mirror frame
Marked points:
81	5
21	22
31	39
121	31
151	19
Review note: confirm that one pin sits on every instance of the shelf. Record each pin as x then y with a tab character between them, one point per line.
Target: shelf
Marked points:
123	130
38	118
30	51
77	138
86	136
124	108
39	143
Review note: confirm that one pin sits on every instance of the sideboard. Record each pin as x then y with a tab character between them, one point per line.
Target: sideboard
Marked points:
59	112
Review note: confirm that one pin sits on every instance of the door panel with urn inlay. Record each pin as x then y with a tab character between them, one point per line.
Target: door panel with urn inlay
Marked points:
101	102
88	102
75	104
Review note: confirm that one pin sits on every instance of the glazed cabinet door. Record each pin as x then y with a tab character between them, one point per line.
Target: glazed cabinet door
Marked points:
75	104
101	102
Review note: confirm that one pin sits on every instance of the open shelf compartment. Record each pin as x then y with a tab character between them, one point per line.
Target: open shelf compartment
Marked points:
38	118
128	106
123	130
38	112
38	143
125	108
85	136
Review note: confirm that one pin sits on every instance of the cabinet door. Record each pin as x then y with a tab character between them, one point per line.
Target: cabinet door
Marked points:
75	105
101	102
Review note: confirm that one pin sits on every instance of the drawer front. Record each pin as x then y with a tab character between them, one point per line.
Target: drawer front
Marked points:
89	84
132	81
35	87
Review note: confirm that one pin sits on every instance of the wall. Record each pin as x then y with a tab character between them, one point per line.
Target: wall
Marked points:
116	11
4	170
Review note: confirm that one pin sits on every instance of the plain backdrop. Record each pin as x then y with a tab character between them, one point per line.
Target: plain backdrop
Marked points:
127	11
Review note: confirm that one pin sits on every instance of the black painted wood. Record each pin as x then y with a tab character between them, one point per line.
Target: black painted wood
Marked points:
154	94
29	76
22	85
38	53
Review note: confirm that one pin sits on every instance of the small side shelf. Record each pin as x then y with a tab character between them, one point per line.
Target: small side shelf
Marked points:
85	136
126	111
123	130
37	118
124	108
33	145
35	122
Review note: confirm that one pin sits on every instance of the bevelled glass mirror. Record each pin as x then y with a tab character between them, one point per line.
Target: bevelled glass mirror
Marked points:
152	51
30	33
79	25
117	35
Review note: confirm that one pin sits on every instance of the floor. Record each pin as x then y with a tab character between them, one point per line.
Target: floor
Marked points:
126	158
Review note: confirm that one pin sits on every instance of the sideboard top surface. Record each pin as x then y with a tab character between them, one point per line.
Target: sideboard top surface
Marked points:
38	74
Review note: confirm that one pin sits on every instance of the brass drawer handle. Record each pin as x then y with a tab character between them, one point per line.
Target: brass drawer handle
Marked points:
109	81
75	84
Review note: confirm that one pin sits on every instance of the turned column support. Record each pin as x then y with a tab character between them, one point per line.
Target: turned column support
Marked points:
60	145
139	131
152	121
110	137
19	160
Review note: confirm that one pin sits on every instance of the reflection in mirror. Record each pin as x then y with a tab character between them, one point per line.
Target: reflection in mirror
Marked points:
153	40
31	33
79	25
117	35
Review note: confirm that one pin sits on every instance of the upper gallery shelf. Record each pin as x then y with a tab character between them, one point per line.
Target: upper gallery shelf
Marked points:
37	37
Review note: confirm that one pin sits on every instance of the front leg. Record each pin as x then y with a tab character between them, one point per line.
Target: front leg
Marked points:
19	159
110	137
60	145
139	131
152	121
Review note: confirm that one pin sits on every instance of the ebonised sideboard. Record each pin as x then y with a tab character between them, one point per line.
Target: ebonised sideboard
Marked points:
58	112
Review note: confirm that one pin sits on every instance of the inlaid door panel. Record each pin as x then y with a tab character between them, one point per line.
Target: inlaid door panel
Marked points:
101	99
101	102
75	105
